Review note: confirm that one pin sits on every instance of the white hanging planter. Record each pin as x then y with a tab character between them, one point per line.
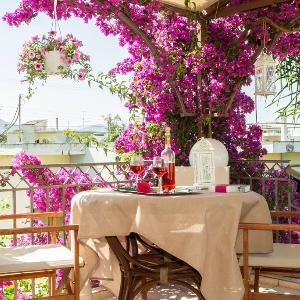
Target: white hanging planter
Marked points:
37	63
54	64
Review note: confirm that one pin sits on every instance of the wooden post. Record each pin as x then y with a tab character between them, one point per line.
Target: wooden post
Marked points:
246	264
53	234
53	283
256	280
76	266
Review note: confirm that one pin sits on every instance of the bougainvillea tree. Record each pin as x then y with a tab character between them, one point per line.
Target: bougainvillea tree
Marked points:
192	83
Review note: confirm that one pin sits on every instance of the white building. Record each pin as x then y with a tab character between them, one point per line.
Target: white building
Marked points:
51	145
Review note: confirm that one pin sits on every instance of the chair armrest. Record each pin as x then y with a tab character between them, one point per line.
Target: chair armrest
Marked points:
263	226
48	214
39	229
258	226
275	213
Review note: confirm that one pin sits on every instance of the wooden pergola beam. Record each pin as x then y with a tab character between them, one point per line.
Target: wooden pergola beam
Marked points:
234	9
221	8
211	10
185	12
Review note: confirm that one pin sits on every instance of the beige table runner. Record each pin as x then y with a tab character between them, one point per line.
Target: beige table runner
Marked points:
199	229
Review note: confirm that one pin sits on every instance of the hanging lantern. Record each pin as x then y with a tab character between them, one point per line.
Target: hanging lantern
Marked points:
265	75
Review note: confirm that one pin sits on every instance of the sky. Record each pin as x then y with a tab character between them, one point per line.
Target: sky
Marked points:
73	103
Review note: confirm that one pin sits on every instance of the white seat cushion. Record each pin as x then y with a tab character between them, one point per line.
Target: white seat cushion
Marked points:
283	255
35	258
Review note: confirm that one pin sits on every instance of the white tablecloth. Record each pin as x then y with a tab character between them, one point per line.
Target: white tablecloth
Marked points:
200	229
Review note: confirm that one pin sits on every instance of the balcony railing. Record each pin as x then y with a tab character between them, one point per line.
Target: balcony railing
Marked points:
281	146
51	187
268	177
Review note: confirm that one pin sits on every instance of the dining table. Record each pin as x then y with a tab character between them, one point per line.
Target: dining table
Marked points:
199	228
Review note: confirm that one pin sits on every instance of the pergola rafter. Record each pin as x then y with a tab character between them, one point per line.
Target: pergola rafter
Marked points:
217	9
229	10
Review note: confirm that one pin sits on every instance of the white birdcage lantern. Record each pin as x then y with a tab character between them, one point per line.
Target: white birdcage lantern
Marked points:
207	157
265	75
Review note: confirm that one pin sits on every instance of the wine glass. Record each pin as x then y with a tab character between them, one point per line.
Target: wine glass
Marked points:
137	166
159	167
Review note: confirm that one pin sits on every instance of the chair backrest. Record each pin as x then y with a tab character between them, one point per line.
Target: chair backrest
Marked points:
52	229
259	226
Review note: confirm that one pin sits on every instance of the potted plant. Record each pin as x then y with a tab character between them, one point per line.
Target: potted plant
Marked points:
52	55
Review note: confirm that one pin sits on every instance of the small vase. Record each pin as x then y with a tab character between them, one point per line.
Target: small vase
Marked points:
54	64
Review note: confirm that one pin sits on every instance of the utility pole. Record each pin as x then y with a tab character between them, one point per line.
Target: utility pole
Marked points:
19	116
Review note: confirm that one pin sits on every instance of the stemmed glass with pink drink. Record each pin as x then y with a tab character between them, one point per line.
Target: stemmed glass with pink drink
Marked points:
159	167
137	166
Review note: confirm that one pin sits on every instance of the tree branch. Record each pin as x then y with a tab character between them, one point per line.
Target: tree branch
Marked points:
126	20
280	27
240	82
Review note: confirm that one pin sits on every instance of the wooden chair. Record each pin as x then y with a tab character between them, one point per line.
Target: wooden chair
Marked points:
35	261
142	270
285	258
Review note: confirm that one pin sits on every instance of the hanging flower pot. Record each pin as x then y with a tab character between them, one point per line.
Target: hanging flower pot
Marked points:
54	63
51	55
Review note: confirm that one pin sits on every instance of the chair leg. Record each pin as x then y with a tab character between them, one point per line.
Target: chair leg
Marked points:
256	280
197	281
68	286
127	288
189	287
122	287
53	283
146	287
144	291
139	284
